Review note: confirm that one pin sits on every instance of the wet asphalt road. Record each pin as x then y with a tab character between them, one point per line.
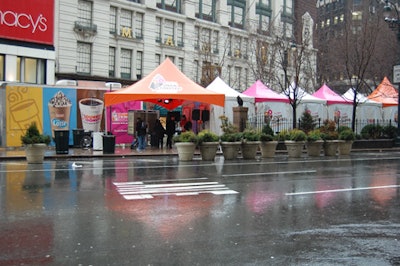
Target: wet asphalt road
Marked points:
159	211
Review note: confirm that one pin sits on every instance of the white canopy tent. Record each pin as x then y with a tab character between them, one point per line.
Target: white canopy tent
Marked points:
314	105
219	86
366	108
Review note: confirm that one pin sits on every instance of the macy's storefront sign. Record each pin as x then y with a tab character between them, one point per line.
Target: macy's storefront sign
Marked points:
27	20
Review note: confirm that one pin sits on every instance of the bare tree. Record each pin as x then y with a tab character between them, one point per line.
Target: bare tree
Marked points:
285	65
358	50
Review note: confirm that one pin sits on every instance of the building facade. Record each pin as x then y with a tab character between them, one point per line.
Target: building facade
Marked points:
123	40
361	20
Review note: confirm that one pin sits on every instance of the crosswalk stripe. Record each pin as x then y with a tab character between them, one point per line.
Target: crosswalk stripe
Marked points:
140	190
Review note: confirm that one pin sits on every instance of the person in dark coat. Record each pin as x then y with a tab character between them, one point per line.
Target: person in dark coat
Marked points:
170	131
159	132
141	132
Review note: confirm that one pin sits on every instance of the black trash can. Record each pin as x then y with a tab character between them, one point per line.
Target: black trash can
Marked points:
77	135
61	138
108	143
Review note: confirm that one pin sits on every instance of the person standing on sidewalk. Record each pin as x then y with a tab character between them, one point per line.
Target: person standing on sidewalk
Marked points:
170	131
141	131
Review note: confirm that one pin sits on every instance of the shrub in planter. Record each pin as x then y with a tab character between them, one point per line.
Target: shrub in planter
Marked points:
208	144
297	135
314	143
314	135
268	145
231	137
347	135
267	130
207	136
307	122
187	136
186	145
33	136
372	131
35	144
251	135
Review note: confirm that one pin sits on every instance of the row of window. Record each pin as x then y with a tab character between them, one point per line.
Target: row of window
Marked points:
131	20
28	70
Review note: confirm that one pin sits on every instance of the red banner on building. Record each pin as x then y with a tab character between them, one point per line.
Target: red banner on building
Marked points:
27	20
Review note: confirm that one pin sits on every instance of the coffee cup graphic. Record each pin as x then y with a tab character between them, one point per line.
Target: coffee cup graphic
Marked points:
59	111
25	112
91	113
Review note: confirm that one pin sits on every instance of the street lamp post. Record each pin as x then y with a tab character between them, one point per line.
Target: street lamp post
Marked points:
394	23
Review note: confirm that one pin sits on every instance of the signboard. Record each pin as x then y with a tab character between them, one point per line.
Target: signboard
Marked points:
396	74
27	20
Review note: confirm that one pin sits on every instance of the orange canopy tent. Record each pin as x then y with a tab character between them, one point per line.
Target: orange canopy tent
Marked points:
385	93
166	86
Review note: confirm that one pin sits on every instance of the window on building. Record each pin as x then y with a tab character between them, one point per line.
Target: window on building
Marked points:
264	12
111	62
287	7
215	42
139	25
2	68
158	30
196	37
237	46
126	63
158	59
237	10
206	10
113	20
169	31
179	34
85	13
139	64
205	40
172	58
197	71
180	63
30	70
84	58
126	23
170	5
356	15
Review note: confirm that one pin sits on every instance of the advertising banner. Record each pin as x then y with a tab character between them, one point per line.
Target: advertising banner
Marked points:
27	20
119	120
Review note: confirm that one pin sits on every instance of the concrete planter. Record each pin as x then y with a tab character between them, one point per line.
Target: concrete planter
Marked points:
35	152
330	147
294	148
314	148
344	147
268	148
185	150
249	149
208	150
230	149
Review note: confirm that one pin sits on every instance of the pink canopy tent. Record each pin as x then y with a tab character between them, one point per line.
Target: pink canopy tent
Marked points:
262	93
339	108
271	105
330	96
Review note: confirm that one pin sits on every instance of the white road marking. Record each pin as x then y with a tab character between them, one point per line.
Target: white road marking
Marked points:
140	190
340	190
